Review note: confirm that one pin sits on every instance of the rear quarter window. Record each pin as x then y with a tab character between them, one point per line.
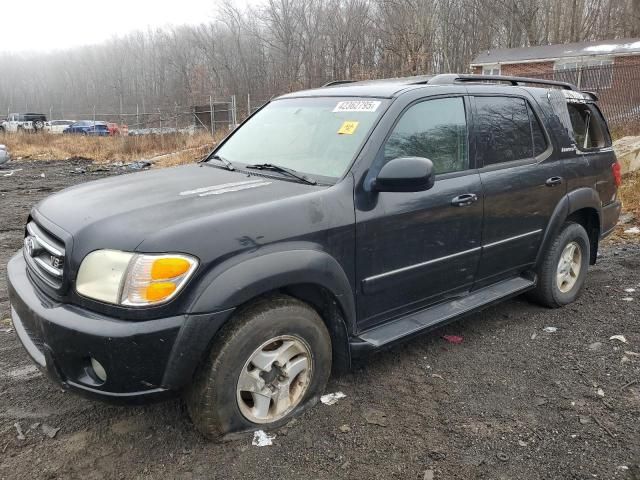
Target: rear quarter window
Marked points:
588	127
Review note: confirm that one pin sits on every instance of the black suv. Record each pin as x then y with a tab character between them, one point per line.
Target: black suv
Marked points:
332	223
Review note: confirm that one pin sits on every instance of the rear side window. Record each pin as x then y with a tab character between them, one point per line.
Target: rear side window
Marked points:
434	129
503	130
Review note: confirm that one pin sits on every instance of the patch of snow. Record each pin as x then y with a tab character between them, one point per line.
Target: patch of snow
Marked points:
610	47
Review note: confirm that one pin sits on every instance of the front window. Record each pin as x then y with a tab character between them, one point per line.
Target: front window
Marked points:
316	136
434	129
491	69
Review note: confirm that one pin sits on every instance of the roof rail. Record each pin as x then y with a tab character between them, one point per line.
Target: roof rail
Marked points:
449	78
337	82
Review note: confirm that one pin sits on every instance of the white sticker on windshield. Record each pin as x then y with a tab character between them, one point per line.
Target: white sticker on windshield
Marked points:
357	106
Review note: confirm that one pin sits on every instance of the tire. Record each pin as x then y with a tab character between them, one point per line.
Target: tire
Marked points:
38	125
217	402
551	291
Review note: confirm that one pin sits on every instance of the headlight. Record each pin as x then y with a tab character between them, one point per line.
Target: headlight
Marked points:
133	279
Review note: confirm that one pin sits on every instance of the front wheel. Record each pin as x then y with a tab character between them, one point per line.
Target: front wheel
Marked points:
269	363
564	268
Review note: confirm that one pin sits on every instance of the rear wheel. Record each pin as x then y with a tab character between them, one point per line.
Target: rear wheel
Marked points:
38	125
271	362
563	271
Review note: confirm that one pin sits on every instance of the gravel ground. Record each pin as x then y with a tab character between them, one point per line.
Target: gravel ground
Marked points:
512	401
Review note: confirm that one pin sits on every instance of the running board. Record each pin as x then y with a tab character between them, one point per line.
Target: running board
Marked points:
441	313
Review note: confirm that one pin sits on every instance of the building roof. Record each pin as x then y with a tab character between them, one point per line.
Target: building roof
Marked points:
554	52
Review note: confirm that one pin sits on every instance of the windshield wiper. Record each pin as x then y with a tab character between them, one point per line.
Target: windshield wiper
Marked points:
287	171
227	164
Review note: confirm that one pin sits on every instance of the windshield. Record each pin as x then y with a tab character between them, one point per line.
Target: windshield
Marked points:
317	136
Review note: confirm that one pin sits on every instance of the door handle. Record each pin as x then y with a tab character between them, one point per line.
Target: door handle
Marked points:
553	181
464	200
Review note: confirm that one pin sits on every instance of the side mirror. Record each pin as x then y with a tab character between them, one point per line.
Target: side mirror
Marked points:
405	174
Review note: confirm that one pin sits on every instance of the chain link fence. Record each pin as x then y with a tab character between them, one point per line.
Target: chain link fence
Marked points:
617	87
214	115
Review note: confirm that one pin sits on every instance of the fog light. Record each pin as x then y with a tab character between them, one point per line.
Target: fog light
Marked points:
98	369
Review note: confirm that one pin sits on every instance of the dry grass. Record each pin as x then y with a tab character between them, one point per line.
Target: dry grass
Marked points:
630	193
628	129
109	149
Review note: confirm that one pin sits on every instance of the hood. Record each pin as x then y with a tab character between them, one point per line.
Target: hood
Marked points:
120	212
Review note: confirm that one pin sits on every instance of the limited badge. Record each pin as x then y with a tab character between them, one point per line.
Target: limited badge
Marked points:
348	128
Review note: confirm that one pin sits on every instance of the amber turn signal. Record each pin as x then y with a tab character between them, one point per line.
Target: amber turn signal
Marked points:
169	267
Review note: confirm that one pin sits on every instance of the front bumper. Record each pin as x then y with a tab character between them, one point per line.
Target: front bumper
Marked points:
143	359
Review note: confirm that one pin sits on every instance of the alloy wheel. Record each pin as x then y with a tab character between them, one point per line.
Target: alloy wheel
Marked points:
569	267
274	379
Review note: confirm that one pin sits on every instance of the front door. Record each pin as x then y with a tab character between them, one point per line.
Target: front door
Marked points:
413	249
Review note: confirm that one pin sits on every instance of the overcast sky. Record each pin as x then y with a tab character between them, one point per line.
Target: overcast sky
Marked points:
42	25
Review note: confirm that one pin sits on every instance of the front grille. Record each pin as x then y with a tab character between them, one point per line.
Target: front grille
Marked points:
44	254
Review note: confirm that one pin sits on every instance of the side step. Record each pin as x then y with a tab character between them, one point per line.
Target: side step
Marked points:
428	318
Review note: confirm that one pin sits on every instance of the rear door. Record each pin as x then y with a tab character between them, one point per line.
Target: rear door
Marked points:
522	181
416	248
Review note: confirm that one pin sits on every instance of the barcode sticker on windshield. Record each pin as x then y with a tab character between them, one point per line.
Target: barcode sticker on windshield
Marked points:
357	106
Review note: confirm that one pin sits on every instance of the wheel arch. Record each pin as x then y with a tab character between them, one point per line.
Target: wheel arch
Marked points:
311	276
582	206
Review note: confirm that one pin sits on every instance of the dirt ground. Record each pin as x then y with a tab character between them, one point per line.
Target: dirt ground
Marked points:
511	402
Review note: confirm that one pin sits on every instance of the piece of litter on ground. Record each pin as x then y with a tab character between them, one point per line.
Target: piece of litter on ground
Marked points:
533	336
19	430
455	339
522	443
550	329
345	428
261	439
375	417
436	375
620	338
600	392
627	299
42	175
49	431
429	475
11	172
629	290
632	230
632	354
331	398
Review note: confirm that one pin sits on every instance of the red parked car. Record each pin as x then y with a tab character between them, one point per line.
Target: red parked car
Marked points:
114	128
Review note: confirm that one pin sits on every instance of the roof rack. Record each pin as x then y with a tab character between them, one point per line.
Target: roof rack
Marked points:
337	82
449	78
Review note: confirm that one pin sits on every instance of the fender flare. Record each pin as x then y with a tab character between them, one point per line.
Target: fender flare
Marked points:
573	201
258	275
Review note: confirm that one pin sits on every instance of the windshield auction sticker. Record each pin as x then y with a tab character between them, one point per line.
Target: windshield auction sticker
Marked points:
357	106
348	128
